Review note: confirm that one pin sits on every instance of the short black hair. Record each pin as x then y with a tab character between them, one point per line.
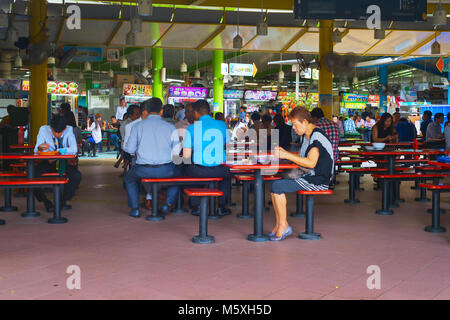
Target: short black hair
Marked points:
255	116
168	111
278	119
65	107
58	123
201	106
317	113
153	105
10	108
121	98
438	116
70	119
428	113
131	109
219	116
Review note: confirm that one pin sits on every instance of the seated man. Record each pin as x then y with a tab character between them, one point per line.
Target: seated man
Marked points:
435	137
114	124
155	143
205	142
58	136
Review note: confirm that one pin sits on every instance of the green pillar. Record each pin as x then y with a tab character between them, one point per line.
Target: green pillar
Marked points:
157	64
218	80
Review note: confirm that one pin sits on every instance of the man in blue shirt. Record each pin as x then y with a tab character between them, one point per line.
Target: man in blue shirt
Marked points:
406	130
426	120
205	142
155	143
242	114
58	137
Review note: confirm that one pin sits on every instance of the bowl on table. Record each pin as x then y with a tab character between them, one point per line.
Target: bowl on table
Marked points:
378	145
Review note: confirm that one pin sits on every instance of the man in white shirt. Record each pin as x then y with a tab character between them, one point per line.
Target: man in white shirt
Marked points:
181	113
186	122
58	137
139	116
121	109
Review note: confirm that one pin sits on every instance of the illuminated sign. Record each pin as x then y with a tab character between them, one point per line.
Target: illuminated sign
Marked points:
137	90
242	69
54	87
260	95
188	92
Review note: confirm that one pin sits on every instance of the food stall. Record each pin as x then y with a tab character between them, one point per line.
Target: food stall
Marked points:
12	93
352	102
136	93
256	100
287	98
232	101
184	95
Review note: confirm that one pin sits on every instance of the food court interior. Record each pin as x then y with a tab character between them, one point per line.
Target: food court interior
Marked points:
266	57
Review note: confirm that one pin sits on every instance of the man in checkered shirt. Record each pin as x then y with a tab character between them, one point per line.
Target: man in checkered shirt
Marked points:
330	128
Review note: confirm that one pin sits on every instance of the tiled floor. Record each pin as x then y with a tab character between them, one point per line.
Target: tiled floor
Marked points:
125	258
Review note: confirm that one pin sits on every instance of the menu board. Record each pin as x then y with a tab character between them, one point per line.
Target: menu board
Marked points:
260	95
233	94
137	90
25	85
188	92
374	100
308	99
355	101
54	87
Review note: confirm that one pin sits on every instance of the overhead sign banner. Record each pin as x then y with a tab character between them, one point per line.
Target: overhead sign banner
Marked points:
91	54
242	69
399	10
144	90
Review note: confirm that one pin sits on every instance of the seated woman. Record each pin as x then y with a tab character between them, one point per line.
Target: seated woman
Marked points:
316	157
384	130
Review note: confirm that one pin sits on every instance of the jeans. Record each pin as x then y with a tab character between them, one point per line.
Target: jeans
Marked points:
368	136
72	173
211	172
114	138
96	145
138	172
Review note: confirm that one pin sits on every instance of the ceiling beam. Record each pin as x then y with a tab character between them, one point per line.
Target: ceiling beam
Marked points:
249	42
211	37
157	42
114	33
421	44
377	43
294	39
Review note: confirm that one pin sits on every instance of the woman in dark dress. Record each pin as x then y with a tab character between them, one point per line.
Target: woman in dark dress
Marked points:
384	130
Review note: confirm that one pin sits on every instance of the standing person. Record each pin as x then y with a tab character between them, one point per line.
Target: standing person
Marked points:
256	121
186	122
316	157
155	143
435	137
426	120
96	126
338	122
330	129
57	136
284	132
169	113
369	123
349	126
241	114
406	130
121	109
181	113
384	130
207	161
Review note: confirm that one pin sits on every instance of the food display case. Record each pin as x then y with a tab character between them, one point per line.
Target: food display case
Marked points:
256	100
232	101
185	95
137	93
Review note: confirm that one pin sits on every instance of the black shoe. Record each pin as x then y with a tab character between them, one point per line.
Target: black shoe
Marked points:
195	211
221	211
49	206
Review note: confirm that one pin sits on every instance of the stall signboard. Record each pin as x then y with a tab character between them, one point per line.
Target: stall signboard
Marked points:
137	90
308	99
260	95
55	87
355	101
233	94
242	69
374	100
188	92
83	54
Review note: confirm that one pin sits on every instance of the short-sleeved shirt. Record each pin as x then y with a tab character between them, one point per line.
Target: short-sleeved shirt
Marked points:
406	131
349	125
424	126
207	138
434	131
323	172
120	112
333	133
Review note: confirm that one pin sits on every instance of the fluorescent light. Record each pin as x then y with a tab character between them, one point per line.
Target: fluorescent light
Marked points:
174	80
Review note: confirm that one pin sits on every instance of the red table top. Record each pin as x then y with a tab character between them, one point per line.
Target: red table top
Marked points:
440	164
21	146
399	152
32	156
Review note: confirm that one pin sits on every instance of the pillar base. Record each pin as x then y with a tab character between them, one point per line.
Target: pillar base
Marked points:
434	229
384	212
441	211
354	201
203	240
57	220
310	236
154	218
255	238
30	214
244	216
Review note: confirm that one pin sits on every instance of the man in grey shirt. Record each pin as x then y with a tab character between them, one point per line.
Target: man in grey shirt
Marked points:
155	143
434	131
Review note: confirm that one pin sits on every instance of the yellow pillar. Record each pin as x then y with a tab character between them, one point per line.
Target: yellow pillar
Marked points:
325	76
38	73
